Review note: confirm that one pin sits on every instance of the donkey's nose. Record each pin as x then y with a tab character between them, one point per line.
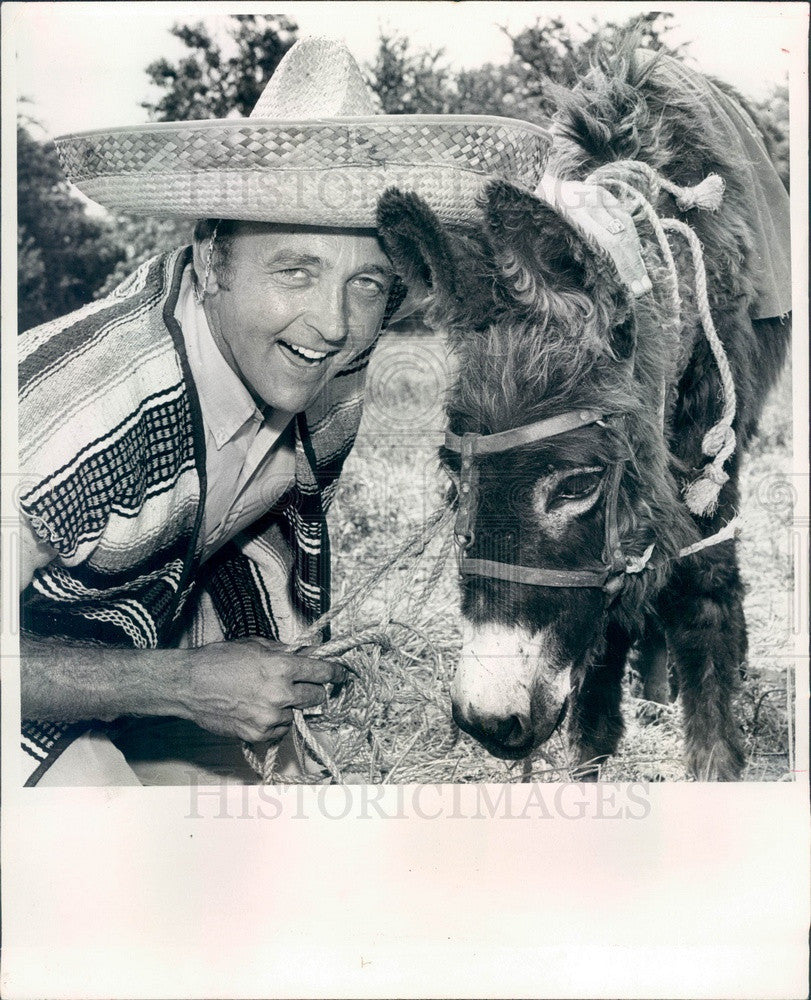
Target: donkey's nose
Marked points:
504	736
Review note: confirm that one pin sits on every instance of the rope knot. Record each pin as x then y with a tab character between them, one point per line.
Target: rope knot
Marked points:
701	496
640	176
719	438
716	474
647	181
707	194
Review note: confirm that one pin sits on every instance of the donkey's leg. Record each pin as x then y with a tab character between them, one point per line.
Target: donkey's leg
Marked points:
597	725
651	663
650	660
702	608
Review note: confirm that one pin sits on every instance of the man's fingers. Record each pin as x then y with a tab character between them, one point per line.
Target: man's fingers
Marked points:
308	651
311	669
312	651
274	731
308	695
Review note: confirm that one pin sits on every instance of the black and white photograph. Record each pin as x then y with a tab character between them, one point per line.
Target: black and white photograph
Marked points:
405	417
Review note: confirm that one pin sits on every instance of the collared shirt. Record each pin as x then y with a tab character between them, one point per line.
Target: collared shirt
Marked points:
250	460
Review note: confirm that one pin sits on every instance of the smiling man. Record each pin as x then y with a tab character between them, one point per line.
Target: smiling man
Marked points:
268	317
289	308
180	440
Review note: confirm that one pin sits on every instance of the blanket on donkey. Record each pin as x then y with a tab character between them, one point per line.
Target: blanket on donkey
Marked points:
112	457
769	206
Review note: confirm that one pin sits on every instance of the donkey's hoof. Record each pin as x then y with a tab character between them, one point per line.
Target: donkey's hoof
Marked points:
718	763
589	767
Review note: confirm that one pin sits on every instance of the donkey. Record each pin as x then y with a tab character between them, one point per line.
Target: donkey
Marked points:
578	419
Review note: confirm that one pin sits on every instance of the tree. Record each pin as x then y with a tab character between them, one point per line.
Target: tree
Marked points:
550	52
63	254
141	237
208	84
409	82
420	82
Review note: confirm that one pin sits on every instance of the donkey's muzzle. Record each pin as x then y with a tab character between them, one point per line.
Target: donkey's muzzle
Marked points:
508	737
509	687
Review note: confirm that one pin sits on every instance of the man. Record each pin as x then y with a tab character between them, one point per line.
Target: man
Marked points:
283	312
180	441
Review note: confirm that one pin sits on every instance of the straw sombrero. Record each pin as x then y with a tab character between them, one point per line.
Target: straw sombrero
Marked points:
314	151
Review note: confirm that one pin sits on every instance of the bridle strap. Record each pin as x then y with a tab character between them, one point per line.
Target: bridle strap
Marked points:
535	576
470	445
612	555
490	444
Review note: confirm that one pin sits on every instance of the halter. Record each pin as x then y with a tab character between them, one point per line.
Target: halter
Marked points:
606	576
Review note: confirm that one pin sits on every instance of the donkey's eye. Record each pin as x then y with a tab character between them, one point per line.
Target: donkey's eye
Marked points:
576	487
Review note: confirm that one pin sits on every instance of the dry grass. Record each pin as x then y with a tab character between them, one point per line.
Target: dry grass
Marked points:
393	721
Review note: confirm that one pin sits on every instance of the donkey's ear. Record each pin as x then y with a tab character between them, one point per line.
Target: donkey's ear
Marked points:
533	235
415	241
537	251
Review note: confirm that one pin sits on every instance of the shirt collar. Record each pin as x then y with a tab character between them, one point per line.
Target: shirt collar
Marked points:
226	403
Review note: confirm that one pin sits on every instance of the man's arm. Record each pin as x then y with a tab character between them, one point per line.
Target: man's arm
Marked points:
66	683
246	689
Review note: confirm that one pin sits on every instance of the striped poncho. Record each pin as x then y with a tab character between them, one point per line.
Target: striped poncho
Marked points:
112	457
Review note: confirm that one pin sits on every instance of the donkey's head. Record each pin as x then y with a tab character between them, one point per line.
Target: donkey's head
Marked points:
545	337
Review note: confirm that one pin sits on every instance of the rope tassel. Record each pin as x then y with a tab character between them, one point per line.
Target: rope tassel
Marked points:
701	496
719	442
640	184
707	194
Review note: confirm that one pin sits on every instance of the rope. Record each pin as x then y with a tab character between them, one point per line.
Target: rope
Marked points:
264	764
637	202
200	291
641	185
415	607
701	496
263	761
645	179
729	531
415	544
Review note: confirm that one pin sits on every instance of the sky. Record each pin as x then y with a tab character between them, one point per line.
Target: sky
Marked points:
82	65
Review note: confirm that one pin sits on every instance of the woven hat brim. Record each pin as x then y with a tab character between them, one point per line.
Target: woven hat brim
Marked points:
312	172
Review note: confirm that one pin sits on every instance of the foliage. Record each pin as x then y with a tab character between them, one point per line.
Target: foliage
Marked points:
141	238
63	254
411	82
551	49
390	484
209	84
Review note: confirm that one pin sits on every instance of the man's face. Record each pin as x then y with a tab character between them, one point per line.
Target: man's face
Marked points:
294	306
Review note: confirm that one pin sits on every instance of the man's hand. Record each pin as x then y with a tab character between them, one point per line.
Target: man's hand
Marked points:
246	688
249	688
